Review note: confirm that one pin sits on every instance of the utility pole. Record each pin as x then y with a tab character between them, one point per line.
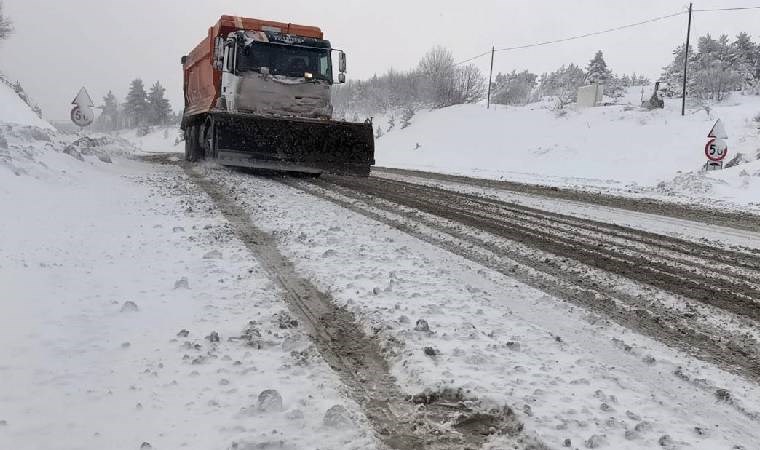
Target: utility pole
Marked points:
686	63
490	78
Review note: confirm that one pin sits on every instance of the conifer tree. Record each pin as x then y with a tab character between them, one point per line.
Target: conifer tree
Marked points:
406	119
158	105
597	71
136	105
111	111
6	26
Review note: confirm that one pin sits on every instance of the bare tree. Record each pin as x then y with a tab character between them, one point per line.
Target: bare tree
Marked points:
436	82
470	86
439	71
6	26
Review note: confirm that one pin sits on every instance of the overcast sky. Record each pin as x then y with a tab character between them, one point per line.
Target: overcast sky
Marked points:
60	45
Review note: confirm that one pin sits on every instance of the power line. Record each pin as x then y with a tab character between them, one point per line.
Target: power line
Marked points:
610	30
596	33
580	36
474	58
740	8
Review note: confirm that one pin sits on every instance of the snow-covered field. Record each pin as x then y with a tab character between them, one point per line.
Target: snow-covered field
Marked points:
621	149
130	317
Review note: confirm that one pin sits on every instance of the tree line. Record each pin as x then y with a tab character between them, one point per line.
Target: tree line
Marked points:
141	109
437	82
716	67
520	88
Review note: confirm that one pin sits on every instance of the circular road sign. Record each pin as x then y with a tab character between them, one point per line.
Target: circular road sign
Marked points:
716	150
82	117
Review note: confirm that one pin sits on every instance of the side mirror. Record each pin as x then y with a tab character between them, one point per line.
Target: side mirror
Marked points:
341	78
342	62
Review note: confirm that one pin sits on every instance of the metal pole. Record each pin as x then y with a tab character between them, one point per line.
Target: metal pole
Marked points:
490	78
686	63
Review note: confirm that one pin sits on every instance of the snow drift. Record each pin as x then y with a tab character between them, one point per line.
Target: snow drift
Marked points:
31	146
620	148
13	110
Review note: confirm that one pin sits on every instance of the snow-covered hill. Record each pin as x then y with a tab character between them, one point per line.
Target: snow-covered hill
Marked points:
13	110
619	148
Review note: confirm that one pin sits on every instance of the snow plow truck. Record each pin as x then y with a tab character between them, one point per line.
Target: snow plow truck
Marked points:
258	95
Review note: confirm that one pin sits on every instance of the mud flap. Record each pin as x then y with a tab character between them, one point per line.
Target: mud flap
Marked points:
294	144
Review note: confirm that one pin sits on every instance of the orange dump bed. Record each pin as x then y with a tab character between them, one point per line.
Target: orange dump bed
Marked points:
202	81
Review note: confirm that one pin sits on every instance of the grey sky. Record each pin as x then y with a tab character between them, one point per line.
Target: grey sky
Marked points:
61	45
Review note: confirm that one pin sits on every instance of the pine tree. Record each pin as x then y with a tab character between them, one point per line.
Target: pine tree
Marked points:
6	26
379	132
136	105
158	106
110	111
563	83
744	57
597	71
391	122
713	70
406	119
513	88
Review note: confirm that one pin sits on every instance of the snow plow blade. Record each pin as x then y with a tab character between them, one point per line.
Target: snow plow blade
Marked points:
293	145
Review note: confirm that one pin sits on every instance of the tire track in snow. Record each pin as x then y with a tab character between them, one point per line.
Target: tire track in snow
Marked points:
514	222
400	422
736	220
723	347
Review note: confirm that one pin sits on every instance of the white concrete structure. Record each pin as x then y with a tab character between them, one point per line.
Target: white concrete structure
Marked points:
590	96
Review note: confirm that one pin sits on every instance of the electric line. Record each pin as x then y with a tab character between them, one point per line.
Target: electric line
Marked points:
572	38
596	33
474	58
739	8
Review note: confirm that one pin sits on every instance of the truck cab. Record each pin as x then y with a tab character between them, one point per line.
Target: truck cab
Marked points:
271	73
257	95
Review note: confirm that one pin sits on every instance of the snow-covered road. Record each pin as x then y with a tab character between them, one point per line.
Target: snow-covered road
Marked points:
118	278
570	372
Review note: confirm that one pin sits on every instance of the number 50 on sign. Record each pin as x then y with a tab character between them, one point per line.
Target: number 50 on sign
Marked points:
716	149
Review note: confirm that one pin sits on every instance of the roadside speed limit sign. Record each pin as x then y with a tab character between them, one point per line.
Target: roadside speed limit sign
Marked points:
82	117
716	150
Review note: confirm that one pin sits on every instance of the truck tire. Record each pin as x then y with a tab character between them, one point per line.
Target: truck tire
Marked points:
193	146
188	143
207	140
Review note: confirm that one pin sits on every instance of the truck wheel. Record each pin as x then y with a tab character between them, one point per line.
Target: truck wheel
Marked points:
193	149
208	142
188	143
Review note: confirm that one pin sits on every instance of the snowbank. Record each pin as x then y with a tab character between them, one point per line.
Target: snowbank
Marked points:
13	110
31	146
621	147
134	318
158	140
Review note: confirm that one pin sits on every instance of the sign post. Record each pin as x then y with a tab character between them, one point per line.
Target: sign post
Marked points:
82	114
716	149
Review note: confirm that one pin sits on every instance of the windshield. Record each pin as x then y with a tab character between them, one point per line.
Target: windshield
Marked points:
286	60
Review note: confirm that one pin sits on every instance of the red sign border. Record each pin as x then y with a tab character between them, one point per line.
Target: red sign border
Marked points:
707	151
76	108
